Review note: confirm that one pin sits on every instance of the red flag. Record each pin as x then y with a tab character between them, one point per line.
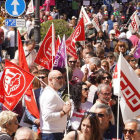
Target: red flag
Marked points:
126	85
58	41
44	56
77	35
29	95
14	83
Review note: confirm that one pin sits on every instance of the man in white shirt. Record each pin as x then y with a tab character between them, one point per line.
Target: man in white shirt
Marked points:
53	111
30	53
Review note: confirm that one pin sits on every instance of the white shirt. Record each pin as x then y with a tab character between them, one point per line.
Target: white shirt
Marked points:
30	58
50	106
11	35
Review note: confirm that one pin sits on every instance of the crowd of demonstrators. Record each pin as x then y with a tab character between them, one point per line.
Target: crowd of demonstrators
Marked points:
84	105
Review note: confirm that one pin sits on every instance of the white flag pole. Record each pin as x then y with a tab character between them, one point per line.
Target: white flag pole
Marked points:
53	43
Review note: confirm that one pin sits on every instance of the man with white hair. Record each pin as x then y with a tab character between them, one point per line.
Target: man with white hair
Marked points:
53	111
8	124
24	133
116	29
132	130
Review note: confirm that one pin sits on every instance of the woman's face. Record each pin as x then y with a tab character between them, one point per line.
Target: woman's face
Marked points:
86	127
105	79
133	62
85	91
100	34
104	65
121	48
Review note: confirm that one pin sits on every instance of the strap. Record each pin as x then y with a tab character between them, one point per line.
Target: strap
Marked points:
76	134
28	54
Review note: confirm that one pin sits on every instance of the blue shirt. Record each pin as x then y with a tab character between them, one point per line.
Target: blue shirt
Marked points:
110	25
112	132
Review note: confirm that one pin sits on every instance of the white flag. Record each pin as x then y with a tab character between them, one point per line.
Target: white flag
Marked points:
129	86
135	22
30	8
95	22
85	16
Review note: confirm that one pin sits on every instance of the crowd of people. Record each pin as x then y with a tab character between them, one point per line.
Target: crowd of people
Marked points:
83	108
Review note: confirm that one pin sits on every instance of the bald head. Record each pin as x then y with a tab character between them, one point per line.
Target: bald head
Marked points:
15	61
137	71
55	79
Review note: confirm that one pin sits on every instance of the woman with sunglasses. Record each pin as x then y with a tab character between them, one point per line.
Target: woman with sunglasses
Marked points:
120	47
80	104
88	129
132	61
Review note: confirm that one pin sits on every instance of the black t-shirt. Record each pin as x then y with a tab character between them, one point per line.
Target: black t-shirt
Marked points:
5	136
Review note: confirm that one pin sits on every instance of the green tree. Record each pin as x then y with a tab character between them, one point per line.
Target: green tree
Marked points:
61	28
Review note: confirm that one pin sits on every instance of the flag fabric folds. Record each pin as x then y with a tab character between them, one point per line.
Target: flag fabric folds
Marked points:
137	51
60	58
14	83
30	8
127	87
77	35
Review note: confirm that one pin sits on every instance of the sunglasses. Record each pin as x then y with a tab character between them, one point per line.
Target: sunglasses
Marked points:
104	66
106	94
42	77
59	77
130	131
72	61
133	60
121	46
101	115
90	113
85	89
108	77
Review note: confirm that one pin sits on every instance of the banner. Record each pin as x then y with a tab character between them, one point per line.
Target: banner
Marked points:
77	35
14	83
47	49
137	51
129	86
30	8
58	41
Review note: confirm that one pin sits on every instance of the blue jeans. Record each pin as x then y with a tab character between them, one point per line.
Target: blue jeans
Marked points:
52	136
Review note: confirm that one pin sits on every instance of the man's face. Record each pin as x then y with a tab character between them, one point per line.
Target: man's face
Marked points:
132	126
92	67
110	60
44	78
107	42
86	59
72	62
103	117
116	27
57	81
105	95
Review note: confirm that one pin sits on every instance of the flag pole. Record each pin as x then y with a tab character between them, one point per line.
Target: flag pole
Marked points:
40	80
53	43
119	75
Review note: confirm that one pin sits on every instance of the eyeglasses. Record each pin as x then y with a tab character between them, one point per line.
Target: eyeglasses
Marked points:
42	77
106	94
59	77
107	41
108	77
86	89
110	57
121	46
90	113
133	60
130	131
72	61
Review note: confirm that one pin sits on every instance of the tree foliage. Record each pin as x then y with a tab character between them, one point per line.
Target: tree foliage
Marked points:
61	28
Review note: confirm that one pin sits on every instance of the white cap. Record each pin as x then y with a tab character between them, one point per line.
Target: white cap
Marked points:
112	32
74	17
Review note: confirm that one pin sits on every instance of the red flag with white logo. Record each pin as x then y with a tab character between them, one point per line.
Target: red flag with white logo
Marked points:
77	35
47	49
29	95
127	86
14	83
84	15
30	8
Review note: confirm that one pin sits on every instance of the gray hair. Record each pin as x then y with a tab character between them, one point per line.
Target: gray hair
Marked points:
96	61
24	129
115	23
101	86
134	120
108	108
